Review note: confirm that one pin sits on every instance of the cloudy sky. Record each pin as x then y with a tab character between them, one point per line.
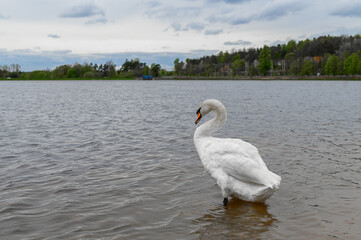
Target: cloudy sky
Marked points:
40	34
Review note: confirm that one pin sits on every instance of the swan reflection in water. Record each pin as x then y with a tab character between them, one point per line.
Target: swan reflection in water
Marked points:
239	220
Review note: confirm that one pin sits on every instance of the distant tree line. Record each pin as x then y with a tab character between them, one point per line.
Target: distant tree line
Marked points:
325	55
12	71
130	69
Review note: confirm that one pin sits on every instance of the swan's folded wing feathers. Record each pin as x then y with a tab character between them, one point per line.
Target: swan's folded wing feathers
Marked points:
236	161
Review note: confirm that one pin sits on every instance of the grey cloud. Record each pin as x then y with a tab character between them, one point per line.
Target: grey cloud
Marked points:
82	11
153	4
172	12
213	31
348	10
235	1
190	26
278	9
53	36
176	27
99	20
275	43
3	17
195	26
239	42
241	20
271	11
238	20
229	1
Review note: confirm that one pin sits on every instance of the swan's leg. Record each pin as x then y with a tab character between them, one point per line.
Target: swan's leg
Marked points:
225	201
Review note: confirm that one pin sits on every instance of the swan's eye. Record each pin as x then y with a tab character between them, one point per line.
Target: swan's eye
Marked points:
198	111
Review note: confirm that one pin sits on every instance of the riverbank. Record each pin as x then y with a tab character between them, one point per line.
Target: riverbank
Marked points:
262	78
325	77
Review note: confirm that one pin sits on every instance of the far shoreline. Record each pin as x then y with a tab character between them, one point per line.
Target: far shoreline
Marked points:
268	78
215	78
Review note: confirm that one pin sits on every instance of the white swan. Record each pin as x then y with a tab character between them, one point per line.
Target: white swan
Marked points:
236	165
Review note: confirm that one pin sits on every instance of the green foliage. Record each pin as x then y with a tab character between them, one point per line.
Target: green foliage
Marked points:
155	68
237	64
134	66
222	57
178	66
60	72
72	73
352	64
264	59
291	46
332	64
295	68
307	68
39	75
146	71
89	75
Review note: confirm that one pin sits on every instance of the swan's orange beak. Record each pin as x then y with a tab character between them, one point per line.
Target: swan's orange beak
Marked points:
199	116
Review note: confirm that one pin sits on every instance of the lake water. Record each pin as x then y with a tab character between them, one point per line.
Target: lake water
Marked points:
116	160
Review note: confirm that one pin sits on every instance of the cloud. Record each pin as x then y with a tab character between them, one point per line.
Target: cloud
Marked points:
3	17
275	43
53	36
229	1
83	11
271	11
179	11
239	42
277	9
213	31
190	26
240	20
98	20
348	10
195	26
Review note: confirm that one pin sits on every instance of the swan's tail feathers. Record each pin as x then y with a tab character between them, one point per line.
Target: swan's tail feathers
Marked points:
273	180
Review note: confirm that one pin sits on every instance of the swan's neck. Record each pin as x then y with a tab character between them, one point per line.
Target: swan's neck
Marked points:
206	129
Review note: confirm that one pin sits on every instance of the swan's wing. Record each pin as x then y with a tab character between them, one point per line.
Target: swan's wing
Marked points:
238	159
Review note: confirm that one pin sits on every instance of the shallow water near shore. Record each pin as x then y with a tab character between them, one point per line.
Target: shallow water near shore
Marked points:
116	160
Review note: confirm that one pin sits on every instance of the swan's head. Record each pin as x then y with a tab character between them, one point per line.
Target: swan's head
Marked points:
207	106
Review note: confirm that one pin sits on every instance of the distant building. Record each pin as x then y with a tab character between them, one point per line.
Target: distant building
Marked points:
317	59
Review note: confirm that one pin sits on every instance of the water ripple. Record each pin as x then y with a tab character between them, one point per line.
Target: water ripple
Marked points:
113	160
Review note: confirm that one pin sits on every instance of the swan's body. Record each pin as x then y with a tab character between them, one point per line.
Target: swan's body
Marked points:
236	165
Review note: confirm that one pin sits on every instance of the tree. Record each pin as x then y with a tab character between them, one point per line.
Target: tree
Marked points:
332	63
109	69
237	64
351	64
134	66
72	73
295	67
307	68
89	75
146	71
177	66
220	57
264	59
155	68
291	46
60	72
